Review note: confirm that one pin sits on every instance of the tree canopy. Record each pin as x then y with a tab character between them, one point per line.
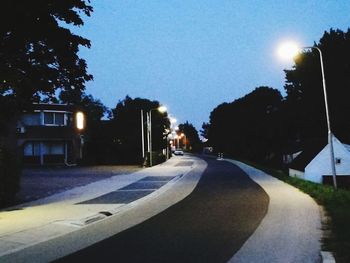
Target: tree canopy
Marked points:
193	142
262	125
118	140
38	53
305	100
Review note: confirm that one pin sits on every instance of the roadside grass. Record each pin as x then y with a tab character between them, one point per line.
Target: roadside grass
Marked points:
336	204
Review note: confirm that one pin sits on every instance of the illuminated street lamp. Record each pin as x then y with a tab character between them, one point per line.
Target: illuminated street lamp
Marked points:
290	50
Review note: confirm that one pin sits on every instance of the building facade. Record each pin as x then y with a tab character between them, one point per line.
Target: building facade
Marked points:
49	135
314	164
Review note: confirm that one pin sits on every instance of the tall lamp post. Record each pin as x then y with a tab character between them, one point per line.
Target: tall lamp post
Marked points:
291	50
161	109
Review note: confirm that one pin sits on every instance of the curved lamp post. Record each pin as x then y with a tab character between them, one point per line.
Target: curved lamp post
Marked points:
290	50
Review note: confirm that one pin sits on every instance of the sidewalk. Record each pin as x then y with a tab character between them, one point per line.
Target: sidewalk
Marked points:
45	219
291	229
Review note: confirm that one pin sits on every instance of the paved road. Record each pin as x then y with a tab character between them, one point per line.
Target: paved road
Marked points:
209	225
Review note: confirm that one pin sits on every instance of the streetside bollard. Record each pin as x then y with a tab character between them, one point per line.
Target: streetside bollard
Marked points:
220	156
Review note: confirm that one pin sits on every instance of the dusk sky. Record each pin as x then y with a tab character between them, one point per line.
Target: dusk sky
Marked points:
193	55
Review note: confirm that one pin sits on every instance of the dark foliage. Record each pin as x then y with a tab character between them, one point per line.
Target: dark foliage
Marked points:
248	127
193	143
9	176
119	139
305	106
262	125
38	54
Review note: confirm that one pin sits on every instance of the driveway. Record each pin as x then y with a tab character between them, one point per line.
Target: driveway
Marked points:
41	182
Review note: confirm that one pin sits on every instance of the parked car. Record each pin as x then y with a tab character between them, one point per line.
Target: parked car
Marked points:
179	152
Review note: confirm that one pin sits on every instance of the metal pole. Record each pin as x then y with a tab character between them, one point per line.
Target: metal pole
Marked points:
330	135
147	115
150	137
142	137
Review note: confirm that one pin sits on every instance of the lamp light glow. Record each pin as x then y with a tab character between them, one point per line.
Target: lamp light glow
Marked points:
80	119
288	50
162	109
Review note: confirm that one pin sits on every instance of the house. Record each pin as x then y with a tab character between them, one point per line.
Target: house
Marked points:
313	164
49	134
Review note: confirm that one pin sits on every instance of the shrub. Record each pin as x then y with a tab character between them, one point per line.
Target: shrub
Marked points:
9	176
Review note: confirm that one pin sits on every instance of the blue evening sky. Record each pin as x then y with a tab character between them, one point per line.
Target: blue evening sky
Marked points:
192	55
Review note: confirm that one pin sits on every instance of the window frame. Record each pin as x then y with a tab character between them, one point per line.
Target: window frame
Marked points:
54	112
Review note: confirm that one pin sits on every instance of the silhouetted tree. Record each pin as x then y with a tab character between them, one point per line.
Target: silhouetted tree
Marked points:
126	127
248	127
193	143
305	107
38	54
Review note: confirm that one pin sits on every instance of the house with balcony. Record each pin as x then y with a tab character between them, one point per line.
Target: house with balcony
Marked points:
48	134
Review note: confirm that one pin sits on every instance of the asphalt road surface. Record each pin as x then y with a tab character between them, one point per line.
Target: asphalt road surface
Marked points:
209	225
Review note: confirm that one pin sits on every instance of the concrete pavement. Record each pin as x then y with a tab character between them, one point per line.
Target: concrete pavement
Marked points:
291	230
50	228
209	225
27	228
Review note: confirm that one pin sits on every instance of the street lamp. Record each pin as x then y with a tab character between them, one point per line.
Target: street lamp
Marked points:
291	50
161	109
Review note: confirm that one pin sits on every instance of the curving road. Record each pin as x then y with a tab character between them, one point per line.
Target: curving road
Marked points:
209	225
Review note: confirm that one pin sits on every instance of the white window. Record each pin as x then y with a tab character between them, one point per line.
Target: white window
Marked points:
54	118
53	148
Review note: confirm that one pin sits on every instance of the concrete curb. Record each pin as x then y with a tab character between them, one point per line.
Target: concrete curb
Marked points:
291	230
327	257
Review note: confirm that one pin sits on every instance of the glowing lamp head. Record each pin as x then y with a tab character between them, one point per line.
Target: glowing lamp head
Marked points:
80	120
288	50
162	109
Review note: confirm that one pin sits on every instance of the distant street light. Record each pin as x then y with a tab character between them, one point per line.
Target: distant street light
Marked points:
290	50
172	120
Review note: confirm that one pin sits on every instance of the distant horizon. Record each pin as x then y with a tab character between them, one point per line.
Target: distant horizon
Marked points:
193	56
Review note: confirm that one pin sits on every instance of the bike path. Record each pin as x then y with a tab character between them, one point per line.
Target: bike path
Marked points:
209	225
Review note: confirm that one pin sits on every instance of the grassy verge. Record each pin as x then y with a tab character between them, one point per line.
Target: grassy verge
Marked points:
336	204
